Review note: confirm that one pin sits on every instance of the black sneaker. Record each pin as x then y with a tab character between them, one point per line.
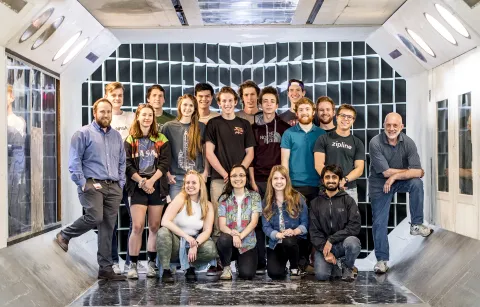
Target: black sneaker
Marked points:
212	271
167	276
347	274
190	274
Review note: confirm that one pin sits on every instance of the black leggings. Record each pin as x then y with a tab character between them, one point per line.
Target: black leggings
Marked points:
247	262
288	250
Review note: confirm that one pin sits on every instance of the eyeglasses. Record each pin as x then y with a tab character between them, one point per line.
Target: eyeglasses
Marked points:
348	117
238	176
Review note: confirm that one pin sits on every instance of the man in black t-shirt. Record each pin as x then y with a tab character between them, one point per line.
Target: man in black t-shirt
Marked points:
342	148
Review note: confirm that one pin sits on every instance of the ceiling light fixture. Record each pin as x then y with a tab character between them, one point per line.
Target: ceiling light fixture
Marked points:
440	29
67	46
420	42
452	20
412	48
48	32
36	24
75	51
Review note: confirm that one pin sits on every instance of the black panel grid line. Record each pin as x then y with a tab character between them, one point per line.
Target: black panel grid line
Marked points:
346	71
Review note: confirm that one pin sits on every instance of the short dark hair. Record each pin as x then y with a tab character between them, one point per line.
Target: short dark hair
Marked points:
151	88
295	80
203	87
327	99
268	90
334	168
247	84
347	107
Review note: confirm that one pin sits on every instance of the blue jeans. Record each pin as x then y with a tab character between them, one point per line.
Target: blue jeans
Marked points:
381	208
349	250
115	257
177	187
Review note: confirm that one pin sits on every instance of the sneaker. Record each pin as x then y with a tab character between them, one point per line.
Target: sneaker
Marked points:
336	272
381	267
190	274
132	272
355	271
126	267
110	275
219	269
116	268
167	276
151	269
347	273
61	241
309	269
226	273
212	271
295	274
420	230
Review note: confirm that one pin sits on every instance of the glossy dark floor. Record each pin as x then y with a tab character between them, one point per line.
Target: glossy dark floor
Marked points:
367	289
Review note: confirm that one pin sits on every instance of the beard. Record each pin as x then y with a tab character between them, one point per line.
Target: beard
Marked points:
104	122
305	120
326	122
330	186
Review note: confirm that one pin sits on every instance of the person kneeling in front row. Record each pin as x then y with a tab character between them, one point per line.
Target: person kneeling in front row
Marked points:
334	224
285	222
186	228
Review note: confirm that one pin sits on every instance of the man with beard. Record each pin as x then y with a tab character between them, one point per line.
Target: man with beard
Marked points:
325	113
296	91
156	98
342	148
248	92
97	166
394	167
334	224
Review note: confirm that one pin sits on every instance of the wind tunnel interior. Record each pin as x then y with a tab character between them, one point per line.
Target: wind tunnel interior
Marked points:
435	63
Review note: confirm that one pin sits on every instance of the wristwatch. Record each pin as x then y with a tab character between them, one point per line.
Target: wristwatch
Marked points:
346	179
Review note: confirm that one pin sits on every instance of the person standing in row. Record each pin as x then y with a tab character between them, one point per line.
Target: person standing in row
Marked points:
97	166
325	114
248	92
204	94
187	142
121	121
148	158
296	91
156	98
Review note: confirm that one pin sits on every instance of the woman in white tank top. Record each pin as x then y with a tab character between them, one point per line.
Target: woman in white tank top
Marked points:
186	228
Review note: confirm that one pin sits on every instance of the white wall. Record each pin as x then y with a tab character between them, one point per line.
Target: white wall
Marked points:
3	153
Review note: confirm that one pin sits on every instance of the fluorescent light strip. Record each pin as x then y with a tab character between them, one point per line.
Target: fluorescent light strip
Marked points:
75	51
67	46
440	29
452	20
421	42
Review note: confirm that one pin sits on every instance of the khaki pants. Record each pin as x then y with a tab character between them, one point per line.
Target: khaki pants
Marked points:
216	189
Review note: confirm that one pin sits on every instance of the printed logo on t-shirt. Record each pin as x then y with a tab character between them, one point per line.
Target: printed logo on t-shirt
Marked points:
273	137
121	128
238	130
341	145
183	161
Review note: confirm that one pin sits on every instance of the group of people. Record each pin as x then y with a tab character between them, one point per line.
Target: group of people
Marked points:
232	182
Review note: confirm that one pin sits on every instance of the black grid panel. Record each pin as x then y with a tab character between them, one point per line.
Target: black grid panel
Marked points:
349	72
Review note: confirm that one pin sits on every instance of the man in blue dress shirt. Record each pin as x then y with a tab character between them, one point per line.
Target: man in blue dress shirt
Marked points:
97	166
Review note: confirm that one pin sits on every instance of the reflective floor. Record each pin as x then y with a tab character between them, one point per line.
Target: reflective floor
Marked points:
367	289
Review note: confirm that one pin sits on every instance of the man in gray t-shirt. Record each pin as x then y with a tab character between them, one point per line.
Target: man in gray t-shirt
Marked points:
394	167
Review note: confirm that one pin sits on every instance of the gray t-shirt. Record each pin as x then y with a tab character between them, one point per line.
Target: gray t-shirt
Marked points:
383	156
343	151
249	117
177	135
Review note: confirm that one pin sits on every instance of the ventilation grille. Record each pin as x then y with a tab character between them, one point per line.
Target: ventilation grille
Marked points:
14	5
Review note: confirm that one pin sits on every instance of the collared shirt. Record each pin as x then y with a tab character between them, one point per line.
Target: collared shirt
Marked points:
97	154
228	208
383	156
301	163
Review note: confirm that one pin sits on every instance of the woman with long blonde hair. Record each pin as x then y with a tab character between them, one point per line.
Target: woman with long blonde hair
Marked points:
186	228
285	222
186	135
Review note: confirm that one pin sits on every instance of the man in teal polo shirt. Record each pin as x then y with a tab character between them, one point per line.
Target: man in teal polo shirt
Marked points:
297	156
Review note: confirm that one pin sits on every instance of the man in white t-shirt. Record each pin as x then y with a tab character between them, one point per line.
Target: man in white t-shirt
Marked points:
121	121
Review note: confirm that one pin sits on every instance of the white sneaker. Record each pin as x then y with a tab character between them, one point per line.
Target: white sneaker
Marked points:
116	269
126	267
420	230
381	267
132	272
151	269
226	274
141	268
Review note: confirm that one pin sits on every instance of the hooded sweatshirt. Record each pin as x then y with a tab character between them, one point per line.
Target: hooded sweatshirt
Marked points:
267	151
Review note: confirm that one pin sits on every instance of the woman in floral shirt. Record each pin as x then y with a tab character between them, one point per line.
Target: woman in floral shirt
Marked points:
238	213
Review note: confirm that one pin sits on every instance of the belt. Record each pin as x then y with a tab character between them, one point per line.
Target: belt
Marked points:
106	181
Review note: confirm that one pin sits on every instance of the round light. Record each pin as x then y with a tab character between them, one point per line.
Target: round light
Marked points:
420	42
47	33
67	46
36	24
452	20
412	48
75	51
440	29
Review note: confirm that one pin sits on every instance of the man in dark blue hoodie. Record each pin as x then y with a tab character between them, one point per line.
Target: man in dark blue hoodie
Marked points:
268	129
334	225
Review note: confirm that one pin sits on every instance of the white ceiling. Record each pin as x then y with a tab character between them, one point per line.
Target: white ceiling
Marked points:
150	14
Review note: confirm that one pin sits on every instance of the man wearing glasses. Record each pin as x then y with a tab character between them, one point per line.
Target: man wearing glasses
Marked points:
342	148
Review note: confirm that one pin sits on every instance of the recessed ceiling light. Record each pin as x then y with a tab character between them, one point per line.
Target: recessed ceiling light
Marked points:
420	42
75	51
440	29
452	20
412	48
48	32
36	24
67	46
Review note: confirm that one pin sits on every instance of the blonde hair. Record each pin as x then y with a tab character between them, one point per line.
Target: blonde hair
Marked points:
203	197
194	134
291	196
110	87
